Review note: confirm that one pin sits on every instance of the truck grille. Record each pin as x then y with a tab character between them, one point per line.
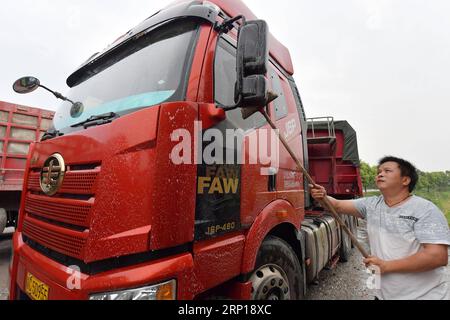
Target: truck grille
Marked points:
61	222
56	238
62	210
74	182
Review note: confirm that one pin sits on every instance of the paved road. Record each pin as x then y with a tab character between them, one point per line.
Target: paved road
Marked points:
348	280
5	253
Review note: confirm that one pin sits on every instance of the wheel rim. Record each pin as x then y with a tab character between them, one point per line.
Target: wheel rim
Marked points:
270	282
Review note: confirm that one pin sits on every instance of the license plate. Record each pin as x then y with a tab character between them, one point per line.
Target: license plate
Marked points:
35	288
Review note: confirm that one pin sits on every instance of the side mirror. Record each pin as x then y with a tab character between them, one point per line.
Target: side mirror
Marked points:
29	84
26	85
252	65
254	91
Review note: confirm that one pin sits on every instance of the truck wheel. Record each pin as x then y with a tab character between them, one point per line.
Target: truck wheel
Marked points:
278	274
3	220
346	247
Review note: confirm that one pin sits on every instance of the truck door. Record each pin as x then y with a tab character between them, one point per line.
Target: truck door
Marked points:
222	209
289	184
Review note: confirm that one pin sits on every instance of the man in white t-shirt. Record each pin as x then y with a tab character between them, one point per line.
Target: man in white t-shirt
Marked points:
409	236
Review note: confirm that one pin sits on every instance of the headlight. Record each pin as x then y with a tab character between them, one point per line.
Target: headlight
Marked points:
162	291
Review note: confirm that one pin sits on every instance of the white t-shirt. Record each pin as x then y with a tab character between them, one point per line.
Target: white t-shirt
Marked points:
397	233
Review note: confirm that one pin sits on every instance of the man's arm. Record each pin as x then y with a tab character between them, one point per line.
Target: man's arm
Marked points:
431	256
342	206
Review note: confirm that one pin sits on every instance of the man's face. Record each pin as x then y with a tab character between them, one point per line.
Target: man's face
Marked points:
390	177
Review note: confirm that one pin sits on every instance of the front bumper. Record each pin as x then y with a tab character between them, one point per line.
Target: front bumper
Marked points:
59	278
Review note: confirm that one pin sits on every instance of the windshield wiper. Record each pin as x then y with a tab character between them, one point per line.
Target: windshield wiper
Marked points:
97	120
50	134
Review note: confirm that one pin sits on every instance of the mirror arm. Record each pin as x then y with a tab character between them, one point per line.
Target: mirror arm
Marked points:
227	24
57	94
230	108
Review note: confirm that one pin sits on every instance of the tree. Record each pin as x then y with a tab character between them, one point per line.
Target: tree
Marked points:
368	174
433	180
424	181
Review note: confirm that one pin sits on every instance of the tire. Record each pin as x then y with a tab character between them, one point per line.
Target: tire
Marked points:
3	220
278	274
346	245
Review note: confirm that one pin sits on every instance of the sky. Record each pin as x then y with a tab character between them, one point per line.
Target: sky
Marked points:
382	65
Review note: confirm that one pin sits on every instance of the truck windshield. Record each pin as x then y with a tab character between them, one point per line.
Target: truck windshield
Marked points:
146	72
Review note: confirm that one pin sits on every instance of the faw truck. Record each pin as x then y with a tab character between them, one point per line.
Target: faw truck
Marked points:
160	178
19	127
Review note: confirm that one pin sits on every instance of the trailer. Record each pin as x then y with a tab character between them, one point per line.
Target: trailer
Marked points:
333	161
19	127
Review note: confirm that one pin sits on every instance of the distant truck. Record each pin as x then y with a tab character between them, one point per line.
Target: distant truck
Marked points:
106	197
19	127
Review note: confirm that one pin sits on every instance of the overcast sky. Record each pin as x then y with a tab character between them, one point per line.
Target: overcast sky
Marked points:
382	65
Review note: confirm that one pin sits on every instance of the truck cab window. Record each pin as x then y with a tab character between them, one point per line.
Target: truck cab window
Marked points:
224	83
144	72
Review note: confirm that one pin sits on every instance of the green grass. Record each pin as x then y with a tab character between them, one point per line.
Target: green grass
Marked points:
439	198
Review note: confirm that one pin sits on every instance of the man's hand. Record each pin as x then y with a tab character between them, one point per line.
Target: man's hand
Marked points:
381	265
318	192
430	257
347	207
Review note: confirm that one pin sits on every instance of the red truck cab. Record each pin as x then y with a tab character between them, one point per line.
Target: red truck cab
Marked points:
107	212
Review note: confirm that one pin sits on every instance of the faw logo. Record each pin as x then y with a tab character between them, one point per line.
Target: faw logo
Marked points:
52	174
219	180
